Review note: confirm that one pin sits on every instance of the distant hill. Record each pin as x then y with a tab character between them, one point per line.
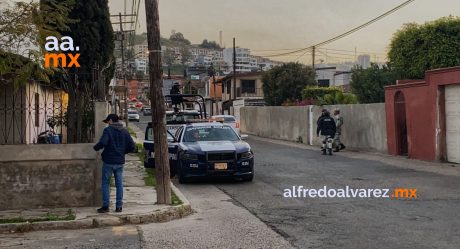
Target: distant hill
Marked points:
178	42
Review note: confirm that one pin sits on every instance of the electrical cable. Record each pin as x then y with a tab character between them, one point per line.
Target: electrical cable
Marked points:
348	32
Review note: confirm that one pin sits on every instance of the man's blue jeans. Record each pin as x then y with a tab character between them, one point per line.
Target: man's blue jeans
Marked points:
107	171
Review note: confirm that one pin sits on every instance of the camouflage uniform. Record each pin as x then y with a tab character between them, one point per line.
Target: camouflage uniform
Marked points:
338	122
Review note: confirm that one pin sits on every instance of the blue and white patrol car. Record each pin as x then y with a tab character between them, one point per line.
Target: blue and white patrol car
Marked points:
174	120
210	149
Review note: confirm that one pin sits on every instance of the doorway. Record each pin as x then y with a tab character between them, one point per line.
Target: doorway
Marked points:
401	125
452	117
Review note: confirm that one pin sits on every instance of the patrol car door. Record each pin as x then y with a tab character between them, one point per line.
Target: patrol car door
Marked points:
173	143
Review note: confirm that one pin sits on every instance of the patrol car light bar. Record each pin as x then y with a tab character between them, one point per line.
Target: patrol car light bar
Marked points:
189	121
221	120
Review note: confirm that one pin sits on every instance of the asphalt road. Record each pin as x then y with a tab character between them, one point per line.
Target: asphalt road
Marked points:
144	120
430	221
255	214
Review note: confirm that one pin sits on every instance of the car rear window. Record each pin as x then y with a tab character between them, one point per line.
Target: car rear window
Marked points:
229	119
132	112
178	118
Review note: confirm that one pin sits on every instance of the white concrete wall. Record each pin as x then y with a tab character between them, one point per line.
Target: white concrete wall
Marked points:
364	124
279	122
101	110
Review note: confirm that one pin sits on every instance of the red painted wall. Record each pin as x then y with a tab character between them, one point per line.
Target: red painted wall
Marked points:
421	98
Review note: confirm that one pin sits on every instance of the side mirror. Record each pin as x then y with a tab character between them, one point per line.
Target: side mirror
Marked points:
244	137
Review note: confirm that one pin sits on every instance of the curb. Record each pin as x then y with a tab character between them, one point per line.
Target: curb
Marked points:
159	216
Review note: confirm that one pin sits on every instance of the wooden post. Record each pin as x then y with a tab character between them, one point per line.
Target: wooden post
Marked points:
163	187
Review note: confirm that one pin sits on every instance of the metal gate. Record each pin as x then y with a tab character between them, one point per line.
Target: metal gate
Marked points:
452	104
28	112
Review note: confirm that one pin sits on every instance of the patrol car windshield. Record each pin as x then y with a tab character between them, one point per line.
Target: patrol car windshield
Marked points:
181	117
210	133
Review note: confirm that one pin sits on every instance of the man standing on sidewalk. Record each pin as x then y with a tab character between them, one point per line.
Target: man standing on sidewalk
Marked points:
116	142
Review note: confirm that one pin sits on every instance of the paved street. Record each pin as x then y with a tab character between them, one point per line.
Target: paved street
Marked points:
256	215
142	124
431	221
425	222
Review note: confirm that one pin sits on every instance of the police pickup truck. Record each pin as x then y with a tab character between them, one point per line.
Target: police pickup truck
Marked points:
174	120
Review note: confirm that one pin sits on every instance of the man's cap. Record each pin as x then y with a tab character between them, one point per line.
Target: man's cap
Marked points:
113	117
324	110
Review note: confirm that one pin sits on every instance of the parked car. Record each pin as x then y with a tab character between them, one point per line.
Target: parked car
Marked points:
133	115
147	112
211	150
228	119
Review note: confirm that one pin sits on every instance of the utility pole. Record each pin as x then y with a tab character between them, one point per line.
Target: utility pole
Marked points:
121	37
234	69
163	187
313	57
123	69
356	54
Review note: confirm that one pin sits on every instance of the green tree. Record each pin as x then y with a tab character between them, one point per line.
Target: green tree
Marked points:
23	29
286	82
185	54
168	57
209	44
367	84
417	48
93	34
338	98
179	38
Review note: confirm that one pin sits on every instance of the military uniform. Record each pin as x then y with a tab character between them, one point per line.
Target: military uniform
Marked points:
327	127
337	143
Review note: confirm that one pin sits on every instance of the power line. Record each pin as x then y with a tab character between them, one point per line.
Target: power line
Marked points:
352	52
302	54
137	14
348	32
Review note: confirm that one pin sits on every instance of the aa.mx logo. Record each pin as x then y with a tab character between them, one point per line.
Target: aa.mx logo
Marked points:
53	47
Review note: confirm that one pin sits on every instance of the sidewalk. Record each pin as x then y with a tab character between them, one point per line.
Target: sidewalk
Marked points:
139	208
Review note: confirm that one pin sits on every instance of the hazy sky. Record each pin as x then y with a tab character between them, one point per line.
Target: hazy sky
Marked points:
283	24
276	24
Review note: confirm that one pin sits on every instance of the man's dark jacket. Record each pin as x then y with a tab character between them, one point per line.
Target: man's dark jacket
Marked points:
116	142
326	125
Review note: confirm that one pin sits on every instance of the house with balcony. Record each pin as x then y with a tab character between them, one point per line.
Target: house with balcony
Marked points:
245	89
337	75
242	60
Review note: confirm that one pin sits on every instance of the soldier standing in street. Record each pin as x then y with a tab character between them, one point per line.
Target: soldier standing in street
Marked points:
326	126
338	122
